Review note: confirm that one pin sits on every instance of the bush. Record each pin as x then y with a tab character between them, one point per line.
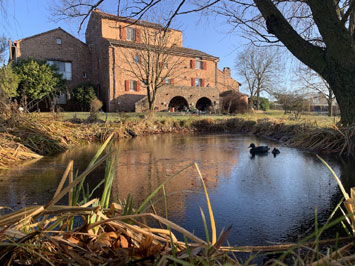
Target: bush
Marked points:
37	80
83	95
95	107
264	103
233	102
8	82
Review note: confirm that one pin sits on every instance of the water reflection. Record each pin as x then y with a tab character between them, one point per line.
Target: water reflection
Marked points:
266	198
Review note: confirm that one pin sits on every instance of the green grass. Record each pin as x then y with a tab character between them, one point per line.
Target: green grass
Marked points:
276	115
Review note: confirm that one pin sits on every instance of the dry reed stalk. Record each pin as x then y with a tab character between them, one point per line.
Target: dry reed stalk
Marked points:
327	260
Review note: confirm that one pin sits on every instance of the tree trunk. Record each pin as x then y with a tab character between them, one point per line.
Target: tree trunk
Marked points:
251	105
151	100
257	99
330	107
341	79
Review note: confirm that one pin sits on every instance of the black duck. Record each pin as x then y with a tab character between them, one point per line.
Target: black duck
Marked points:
258	149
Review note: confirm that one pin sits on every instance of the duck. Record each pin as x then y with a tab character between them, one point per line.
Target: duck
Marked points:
259	149
275	151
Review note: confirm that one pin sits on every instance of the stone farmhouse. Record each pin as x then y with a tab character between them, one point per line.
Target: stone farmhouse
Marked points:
102	61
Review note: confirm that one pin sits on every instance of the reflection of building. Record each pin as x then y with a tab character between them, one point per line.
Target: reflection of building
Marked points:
102	60
145	163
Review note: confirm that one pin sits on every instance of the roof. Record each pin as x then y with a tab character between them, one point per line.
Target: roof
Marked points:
50	31
130	20
174	49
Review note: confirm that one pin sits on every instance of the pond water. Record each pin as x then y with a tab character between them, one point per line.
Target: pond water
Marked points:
267	199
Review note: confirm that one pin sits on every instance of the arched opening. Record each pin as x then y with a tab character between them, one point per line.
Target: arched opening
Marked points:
203	104
179	103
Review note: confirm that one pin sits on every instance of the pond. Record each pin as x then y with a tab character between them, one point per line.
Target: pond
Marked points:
267	199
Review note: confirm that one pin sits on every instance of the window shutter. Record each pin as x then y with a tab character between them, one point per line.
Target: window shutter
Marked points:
192	63
192	82
123	33
138	35
204	65
172	81
202	82
160	64
126	85
138	86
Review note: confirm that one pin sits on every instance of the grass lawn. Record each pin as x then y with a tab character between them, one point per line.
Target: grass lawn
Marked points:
315	119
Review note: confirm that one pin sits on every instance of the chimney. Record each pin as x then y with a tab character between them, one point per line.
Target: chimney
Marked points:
227	71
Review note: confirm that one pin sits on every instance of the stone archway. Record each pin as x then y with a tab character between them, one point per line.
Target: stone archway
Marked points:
179	103
203	104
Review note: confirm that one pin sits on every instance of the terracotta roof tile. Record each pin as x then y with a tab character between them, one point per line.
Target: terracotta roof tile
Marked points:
175	49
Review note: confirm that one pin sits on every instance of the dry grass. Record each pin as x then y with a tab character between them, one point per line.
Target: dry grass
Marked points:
12	152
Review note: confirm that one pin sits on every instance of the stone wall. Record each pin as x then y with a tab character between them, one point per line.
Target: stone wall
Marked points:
182	76
191	94
225	82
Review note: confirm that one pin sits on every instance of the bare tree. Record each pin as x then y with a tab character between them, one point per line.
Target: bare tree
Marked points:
258	66
3	46
313	82
320	33
292	102
153	61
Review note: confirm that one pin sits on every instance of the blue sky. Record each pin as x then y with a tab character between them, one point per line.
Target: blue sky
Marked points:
26	18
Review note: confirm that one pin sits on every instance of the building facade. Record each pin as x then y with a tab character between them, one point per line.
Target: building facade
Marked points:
114	60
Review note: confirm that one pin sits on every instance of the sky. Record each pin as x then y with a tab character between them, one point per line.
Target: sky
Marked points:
211	35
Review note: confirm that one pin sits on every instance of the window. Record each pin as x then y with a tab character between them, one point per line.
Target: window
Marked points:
198	64
133	85
131	34
63	68
59	41
137	59
167	81
85	75
198	82
166	65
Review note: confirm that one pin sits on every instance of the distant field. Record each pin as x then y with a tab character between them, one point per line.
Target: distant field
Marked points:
275	115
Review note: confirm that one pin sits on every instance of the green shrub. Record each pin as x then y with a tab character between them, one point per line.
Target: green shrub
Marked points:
83	95
264	103
8	81
37	80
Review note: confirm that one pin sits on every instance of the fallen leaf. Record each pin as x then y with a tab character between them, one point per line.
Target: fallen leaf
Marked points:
124	242
104	240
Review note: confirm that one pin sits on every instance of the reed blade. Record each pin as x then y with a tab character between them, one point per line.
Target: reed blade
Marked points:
212	221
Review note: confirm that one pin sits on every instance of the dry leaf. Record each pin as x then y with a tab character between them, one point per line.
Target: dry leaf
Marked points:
104	240
124	242
72	239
